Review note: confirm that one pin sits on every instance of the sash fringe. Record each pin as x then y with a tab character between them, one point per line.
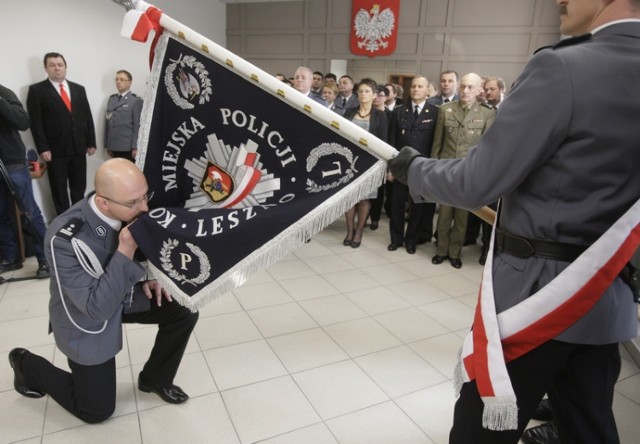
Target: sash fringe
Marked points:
500	413
458	373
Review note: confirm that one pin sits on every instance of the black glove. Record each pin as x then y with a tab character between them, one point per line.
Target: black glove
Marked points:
399	165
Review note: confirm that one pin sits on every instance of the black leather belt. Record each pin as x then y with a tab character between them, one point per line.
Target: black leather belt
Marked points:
524	247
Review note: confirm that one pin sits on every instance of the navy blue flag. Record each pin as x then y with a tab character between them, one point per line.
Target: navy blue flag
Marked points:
240	176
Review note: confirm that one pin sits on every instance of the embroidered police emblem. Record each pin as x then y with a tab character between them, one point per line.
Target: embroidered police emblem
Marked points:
217	183
187	82
226	177
101	231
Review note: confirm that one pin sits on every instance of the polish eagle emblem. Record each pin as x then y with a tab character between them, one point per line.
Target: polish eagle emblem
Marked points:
373	27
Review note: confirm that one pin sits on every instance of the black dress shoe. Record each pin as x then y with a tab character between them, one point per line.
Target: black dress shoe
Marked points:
546	433
19	383
10	266
374	225
543	412
483	259
43	271
437	260
411	249
393	246
171	394
456	263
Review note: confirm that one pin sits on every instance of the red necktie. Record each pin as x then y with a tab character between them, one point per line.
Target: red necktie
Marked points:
65	97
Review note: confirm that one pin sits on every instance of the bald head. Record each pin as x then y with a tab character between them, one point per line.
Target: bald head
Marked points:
115	174
470	86
121	189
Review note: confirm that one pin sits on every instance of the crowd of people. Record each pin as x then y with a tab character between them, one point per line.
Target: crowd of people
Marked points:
558	290
442	120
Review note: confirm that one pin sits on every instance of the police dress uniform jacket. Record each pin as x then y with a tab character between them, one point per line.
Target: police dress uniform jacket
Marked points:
56	129
90	301
456	133
567	172
122	122
406	130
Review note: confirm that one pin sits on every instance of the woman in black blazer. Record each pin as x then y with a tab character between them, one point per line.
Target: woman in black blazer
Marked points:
374	121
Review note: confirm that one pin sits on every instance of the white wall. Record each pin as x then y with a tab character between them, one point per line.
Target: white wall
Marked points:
87	33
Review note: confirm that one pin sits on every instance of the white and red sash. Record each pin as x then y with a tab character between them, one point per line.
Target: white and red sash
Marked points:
498	339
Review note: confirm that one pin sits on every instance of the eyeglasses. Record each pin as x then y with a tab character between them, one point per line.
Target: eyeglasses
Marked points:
132	203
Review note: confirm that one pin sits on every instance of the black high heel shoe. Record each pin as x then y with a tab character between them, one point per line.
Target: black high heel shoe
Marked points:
356	244
347	242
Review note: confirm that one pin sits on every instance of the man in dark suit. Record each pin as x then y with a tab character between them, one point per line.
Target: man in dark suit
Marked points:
63	131
122	119
347	98
448	89
563	191
412	124
91	298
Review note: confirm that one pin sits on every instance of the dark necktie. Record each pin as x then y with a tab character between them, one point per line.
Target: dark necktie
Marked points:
344	102
65	97
416	111
447	100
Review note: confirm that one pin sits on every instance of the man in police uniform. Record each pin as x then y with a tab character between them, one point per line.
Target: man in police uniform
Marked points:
460	125
566	174
122	119
412	124
96	285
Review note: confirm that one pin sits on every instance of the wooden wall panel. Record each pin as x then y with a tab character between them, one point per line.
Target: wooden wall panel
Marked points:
496	36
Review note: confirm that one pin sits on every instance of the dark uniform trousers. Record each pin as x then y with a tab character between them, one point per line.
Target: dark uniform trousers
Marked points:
89	392
568	373
420	226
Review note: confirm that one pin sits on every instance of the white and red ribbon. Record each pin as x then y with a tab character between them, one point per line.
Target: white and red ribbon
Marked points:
498	339
138	23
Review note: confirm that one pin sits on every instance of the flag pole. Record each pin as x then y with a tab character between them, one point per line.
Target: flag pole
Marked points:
268	82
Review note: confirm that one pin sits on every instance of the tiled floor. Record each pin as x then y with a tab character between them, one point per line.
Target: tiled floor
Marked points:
330	345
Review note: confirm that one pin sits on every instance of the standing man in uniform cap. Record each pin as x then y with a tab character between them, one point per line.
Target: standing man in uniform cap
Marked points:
568	176
123	119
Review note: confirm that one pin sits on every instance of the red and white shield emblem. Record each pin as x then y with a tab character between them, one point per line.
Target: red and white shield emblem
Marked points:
217	183
374	27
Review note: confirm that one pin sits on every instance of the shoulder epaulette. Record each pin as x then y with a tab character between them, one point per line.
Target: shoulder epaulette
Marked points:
486	105
567	42
70	229
113	95
573	40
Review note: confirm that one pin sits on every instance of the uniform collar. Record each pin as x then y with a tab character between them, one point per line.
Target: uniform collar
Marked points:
113	223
